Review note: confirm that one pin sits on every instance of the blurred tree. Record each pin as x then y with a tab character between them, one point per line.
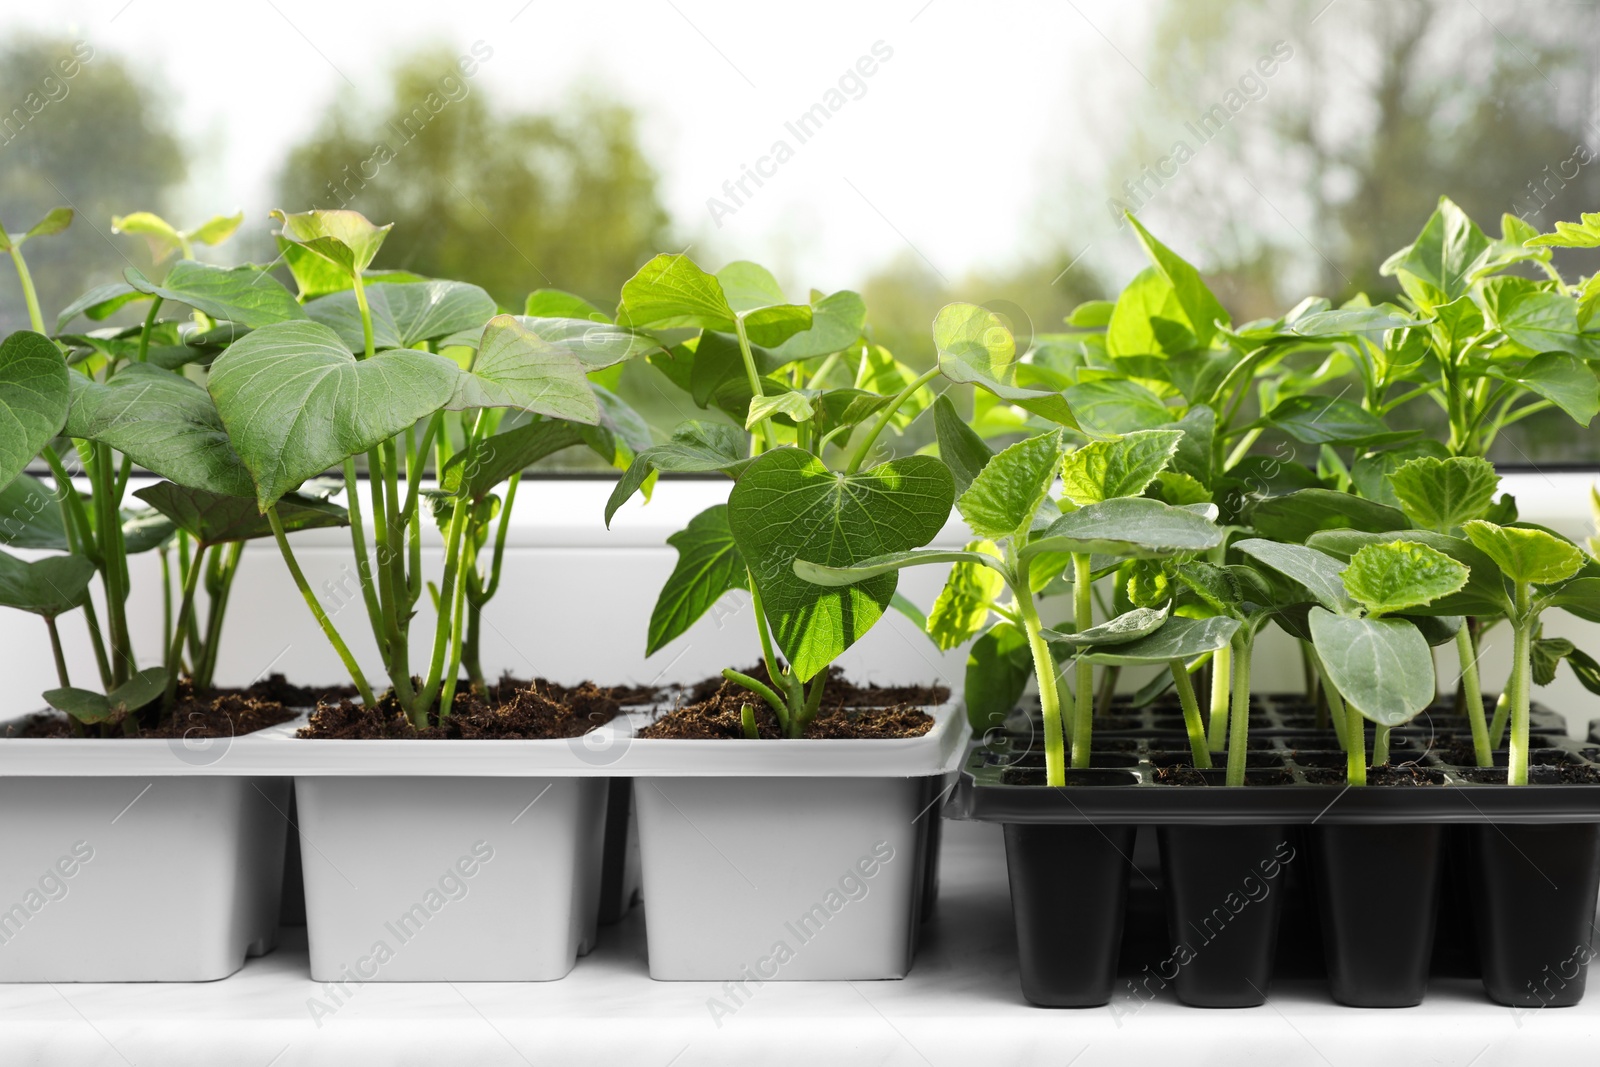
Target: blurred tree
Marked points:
510	202
1376	111
79	128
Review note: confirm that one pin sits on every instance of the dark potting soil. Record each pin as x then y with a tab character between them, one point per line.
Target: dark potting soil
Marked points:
838	691
216	713
1406	774
720	717
623	695
506	713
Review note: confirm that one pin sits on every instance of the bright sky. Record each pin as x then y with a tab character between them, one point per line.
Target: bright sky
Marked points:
969	112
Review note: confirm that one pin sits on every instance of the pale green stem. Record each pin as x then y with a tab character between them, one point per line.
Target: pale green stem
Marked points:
191	581
358	679
1239	712
884	418
1355	747
358	544
30	295
1380	744
1044	669
1220	681
1191	714
1521	686
1472	696
1083	670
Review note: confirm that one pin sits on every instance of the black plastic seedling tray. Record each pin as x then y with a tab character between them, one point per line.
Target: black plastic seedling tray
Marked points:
1376	856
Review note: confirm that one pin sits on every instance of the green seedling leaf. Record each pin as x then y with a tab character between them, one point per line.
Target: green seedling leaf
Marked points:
144	529
50	586
1525	555
1537	319
976	348
1122	466
1131	527
1580	597
709	565
1483	595
597	345
1436	629
99	303
1585	669
1546	655
1296	516
405	315
162	421
962	609
962	450
1317	571
795	405
1177	489
1091	315
476	472
1113	407
999	665
1007	492
1584	234
788	506
34	395
1441	494
671	292
1129	626
1381	666
836	576
55	221
1148	319
881	373
85	705
1401	575
1348	321
1565	381
695	448
748	286
556	304
1444	258
30	515
296	402
836	322
1319	420
1201	310
158	233
245	295
217	229
515	368
345	239
1179	638
214	519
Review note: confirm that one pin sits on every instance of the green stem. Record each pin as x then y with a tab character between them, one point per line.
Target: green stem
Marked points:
761	690
144	334
447	695
498	557
1355	747
1083	670
1044	669
109	533
206	671
1239	712
1336	711
1221	665
442	626
758	433
358	679
1502	717
358	544
366	314
55	648
166	593
860	455
1191	714
29	294
1380	744
191	582
747	720
80	541
1521	687
1472	696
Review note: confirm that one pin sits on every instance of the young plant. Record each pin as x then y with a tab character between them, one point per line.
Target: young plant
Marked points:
344	380
772	365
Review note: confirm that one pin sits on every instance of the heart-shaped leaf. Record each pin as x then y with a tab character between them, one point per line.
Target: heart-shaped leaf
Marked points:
162	421
836	322
1179	638
515	368
787	505
296	402
709	565
48	586
90	707
976	348
214	519
1525	555
1007	492
1381	666
1401	575
1121	466
671	292
404	315
1317	571
345	239
1441	494
1133	527
246	295
33	399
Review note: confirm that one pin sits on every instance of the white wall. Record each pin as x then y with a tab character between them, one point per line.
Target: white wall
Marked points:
575	600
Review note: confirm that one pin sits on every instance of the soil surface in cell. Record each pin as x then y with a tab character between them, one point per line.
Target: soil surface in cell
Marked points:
215	713
720	717
1406	774
838	692
509	711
